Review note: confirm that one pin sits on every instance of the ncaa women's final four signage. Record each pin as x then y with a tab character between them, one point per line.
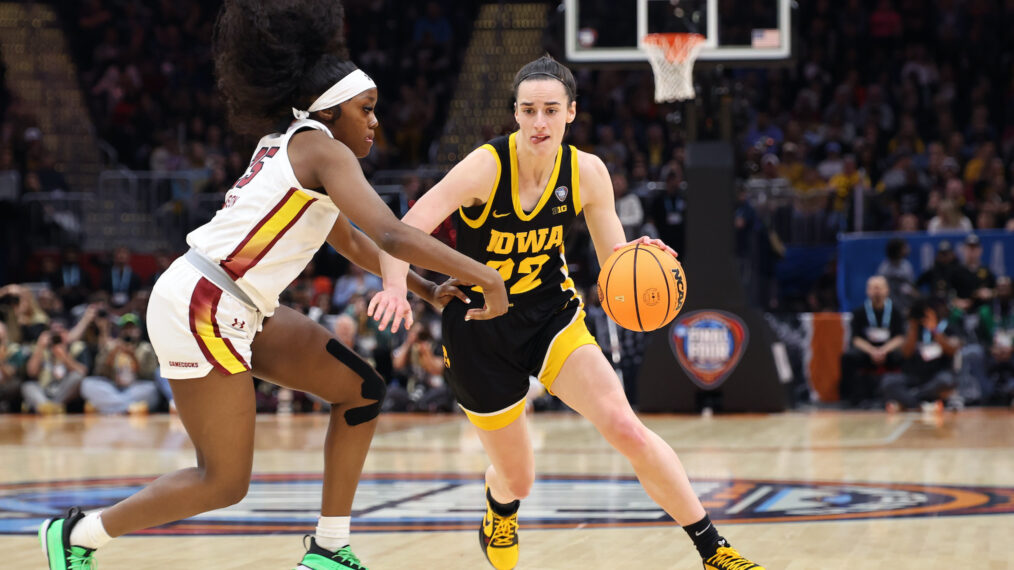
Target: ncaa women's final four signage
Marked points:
708	345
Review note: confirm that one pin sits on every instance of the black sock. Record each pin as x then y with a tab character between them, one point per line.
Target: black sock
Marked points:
504	510
705	537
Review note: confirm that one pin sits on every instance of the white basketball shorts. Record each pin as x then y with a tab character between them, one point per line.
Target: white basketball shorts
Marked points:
195	326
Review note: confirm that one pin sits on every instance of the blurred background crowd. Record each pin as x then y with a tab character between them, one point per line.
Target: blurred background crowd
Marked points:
895	116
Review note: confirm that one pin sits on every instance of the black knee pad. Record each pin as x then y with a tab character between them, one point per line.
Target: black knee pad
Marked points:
374	387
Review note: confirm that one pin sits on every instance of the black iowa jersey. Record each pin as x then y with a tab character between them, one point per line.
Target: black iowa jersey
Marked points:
525	247
489	362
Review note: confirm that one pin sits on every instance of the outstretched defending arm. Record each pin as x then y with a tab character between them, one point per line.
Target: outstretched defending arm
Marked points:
320	161
468	183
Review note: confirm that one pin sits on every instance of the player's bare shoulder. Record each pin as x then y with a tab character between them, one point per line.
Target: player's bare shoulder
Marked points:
594	176
312	149
313	144
472	179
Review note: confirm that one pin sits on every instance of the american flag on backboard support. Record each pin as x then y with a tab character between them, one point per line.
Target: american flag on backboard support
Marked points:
767	38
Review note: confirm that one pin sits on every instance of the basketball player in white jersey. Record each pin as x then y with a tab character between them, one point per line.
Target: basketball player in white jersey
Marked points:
214	317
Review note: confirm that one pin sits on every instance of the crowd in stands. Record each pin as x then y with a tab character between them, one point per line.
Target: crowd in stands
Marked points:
146	73
147	69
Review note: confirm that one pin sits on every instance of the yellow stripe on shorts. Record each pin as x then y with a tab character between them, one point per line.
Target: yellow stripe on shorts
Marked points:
568	340
496	420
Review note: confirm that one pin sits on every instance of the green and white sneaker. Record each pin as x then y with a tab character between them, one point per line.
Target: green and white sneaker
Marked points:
54	535
317	558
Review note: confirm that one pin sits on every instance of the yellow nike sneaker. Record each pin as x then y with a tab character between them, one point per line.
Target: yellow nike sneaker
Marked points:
726	558
498	537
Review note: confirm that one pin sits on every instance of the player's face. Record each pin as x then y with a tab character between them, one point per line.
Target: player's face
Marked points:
355	127
543	110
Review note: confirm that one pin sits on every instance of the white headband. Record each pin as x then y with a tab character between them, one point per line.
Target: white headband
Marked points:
348	87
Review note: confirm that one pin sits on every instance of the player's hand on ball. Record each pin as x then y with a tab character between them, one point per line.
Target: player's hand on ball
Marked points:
390	305
645	240
642	286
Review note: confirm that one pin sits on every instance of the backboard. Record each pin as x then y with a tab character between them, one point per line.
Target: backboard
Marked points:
734	30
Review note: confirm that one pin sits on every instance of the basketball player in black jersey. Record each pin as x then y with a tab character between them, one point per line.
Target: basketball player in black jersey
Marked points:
517	197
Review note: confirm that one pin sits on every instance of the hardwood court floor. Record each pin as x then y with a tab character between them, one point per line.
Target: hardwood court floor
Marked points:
951	476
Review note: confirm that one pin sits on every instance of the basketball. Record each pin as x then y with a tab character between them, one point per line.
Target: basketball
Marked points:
642	287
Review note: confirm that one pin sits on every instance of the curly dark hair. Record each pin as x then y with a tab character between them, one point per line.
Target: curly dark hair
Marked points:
272	56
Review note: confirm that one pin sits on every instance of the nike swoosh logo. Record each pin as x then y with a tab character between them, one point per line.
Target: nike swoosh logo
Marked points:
487	527
703	531
498	215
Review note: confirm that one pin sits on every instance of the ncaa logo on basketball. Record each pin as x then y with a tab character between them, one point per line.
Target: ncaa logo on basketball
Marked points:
561	193
708	345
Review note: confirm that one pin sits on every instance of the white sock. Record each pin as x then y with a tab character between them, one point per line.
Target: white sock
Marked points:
333	532
89	532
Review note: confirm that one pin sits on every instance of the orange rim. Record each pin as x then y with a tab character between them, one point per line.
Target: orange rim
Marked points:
676	47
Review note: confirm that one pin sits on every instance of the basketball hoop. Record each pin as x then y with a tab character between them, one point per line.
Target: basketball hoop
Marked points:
672	59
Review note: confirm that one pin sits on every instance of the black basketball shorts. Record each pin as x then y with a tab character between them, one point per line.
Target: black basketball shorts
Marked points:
488	363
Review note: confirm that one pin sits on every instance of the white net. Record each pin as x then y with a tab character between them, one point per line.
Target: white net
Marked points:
672	59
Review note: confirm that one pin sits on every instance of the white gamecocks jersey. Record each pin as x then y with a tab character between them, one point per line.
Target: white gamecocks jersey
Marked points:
269	226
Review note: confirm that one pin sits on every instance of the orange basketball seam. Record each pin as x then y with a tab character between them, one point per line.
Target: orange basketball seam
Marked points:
609	276
637	305
665	279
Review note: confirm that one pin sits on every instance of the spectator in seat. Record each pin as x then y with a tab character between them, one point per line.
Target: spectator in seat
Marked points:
628	206
120	280
878	331
943	276
973	292
22	313
844	186
668	212
346	329
927	372
11	363
419	364
833	162
355	282
125	370
54	371
73	283
949	219
977	282
1000	388
900	275
973	315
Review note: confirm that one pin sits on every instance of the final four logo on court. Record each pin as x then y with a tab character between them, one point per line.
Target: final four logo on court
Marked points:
398	502
708	345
